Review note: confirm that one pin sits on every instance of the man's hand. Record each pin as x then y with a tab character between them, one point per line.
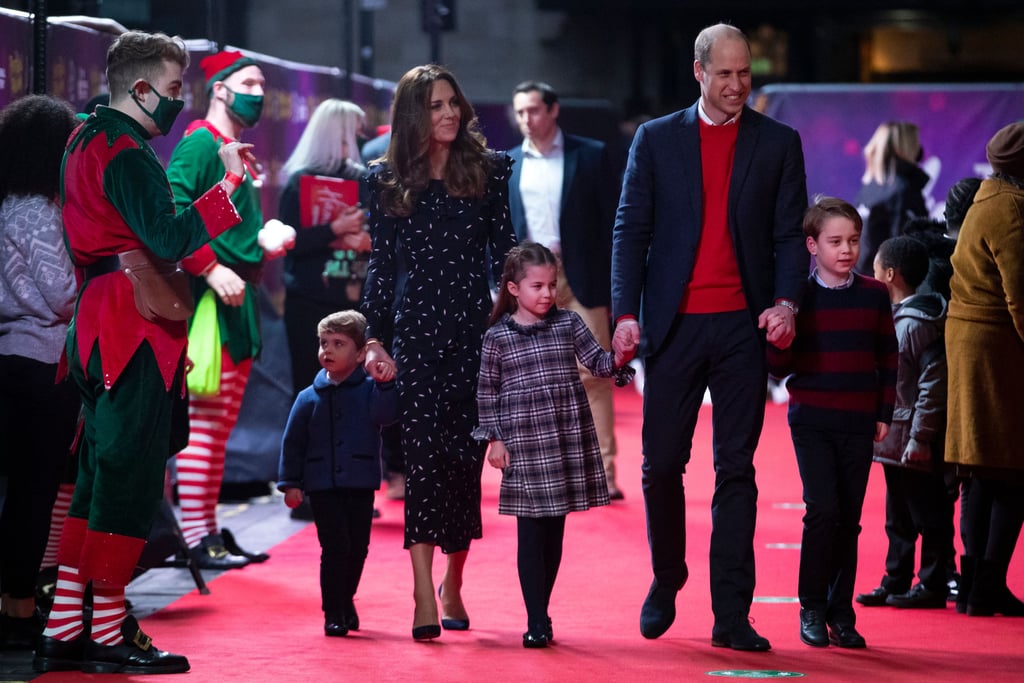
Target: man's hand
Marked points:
234	155
293	498
226	284
625	341
780	324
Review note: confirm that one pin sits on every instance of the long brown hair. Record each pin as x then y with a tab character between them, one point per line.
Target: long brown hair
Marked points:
465	175
518	260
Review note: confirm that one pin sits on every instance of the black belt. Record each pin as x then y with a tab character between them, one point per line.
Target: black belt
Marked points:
107	264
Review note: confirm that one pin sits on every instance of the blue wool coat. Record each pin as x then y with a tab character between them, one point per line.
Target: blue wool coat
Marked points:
332	439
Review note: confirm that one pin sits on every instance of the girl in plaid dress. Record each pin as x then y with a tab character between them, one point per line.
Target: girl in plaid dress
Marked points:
534	412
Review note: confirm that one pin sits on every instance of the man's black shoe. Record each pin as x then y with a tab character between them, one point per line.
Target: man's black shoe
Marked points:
58	655
812	628
211	554
232	547
738	634
845	635
875	598
658	611
136	655
918	597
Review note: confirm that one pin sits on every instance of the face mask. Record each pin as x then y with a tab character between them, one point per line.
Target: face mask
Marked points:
246	107
167	110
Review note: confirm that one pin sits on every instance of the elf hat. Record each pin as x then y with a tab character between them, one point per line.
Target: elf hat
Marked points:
220	65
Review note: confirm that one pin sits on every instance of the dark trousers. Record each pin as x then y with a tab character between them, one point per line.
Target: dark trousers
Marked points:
834	469
721	352
991	518
539	556
917	504
37	421
343	518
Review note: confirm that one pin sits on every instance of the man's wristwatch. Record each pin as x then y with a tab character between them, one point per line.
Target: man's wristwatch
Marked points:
788	304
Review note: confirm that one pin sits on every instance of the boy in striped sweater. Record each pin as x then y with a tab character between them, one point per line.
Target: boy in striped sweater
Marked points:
842	380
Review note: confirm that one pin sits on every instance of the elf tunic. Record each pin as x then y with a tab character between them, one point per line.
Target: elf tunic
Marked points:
195	166
129	370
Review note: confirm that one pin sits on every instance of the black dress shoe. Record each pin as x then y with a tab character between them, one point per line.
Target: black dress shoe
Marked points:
918	597
812	628
658	611
58	655
535	637
334	626
428	632
211	554
232	547
875	598
350	618
451	624
845	635
136	655
738	634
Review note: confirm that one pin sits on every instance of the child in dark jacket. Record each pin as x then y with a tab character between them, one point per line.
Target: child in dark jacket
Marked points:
331	451
842	386
912	454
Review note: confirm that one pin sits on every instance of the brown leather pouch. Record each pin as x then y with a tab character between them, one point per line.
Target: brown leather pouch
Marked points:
161	287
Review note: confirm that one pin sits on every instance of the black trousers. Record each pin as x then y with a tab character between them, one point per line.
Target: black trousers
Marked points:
722	352
834	469
991	518
539	556
343	518
37	420
917	504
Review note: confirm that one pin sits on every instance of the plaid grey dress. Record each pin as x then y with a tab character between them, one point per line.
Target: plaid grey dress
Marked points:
530	397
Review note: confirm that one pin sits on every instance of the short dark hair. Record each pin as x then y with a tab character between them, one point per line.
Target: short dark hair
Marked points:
824	208
547	93
33	132
350	323
908	256
136	55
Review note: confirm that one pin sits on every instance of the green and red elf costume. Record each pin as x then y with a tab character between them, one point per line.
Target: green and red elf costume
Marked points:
200	466
129	370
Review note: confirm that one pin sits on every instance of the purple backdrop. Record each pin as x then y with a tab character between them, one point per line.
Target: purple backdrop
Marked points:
836	121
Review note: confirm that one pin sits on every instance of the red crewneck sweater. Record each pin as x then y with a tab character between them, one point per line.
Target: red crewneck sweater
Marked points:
715	286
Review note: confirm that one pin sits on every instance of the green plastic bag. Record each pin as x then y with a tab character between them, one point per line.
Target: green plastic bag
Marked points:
204	348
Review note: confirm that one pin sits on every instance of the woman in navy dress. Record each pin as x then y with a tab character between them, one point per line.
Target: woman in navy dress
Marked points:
440	227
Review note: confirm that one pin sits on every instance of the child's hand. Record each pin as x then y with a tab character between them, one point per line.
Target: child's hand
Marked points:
293	498
497	455
917	452
881	431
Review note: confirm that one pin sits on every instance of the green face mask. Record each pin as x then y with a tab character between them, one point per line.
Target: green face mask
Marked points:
167	110
246	107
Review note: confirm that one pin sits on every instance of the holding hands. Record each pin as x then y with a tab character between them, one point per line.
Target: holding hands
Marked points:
625	341
779	322
378	363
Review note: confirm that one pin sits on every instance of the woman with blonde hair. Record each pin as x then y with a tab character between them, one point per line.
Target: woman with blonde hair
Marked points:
441	229
325	271
891	188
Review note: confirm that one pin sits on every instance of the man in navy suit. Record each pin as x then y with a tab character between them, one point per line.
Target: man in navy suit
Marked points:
562	195
708	252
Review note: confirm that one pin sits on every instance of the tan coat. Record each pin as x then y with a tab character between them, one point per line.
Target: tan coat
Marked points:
985	333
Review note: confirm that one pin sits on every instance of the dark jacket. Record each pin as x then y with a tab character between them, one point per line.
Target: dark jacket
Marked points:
332	439
590	189
920	381
889	206
658	225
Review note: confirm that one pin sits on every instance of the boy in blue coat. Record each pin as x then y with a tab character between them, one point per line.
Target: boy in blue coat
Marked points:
331	451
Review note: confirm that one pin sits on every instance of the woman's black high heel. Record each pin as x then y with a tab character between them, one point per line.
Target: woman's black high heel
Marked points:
452	624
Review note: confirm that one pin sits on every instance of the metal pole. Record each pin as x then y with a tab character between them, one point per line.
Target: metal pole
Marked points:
434	23
366	42
39	65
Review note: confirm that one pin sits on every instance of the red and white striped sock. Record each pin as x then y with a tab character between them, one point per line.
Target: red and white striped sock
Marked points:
65	622
57	517
108	612
200	465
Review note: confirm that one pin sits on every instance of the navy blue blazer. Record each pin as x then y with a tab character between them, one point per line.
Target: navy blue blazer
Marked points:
658	223
589	193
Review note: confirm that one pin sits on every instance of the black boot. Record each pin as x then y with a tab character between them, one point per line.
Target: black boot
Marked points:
989	593
966	580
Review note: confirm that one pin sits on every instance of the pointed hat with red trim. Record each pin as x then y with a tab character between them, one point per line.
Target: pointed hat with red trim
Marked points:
220	65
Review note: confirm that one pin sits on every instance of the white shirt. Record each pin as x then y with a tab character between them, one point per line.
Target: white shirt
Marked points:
540	186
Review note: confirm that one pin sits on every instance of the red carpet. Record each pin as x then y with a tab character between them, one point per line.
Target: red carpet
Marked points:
263	623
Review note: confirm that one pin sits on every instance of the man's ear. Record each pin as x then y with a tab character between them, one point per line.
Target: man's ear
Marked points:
140	88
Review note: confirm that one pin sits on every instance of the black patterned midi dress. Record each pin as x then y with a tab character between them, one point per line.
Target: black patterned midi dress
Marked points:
531	398
429	282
